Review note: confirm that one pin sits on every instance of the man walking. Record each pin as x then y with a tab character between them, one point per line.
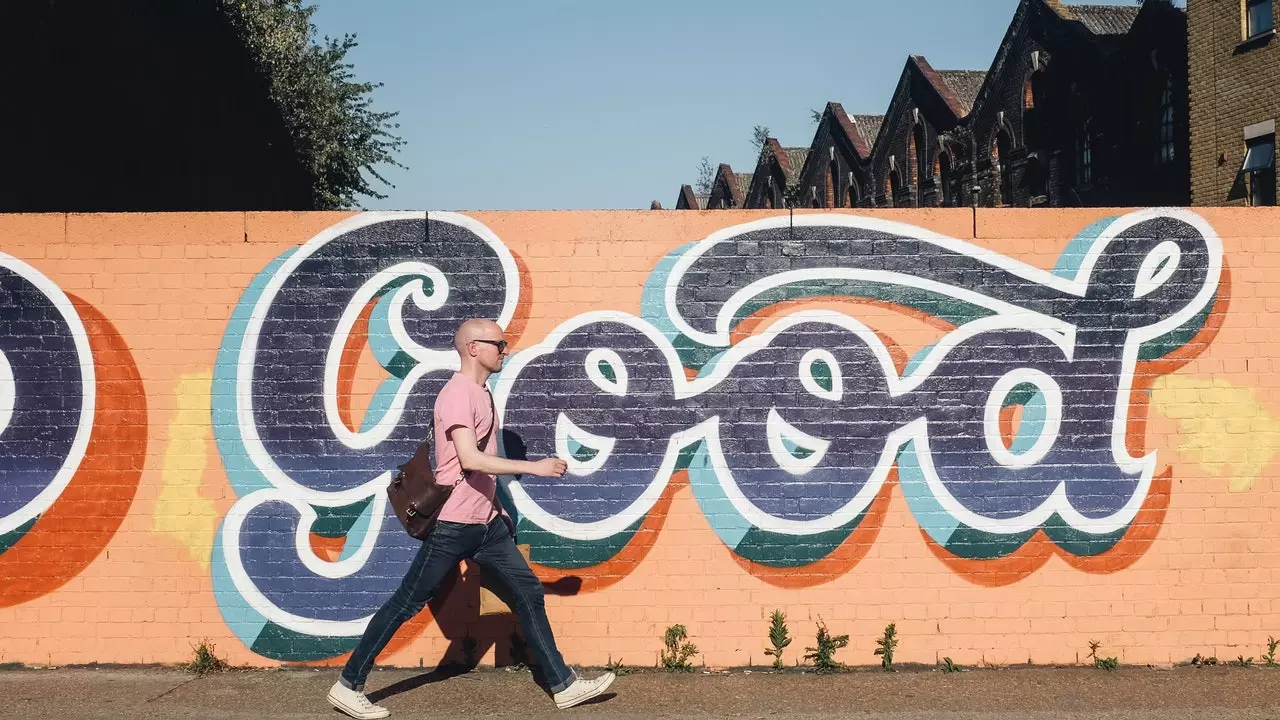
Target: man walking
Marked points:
472	525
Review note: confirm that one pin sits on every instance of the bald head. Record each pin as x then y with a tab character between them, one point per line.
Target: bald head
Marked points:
475	329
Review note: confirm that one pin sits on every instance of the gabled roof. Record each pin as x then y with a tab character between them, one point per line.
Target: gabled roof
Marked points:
1104	21
690	200
857	136
789	159
959	98
858	130
1101	19
736	183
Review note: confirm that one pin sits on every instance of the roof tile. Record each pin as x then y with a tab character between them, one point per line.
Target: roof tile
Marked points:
1104	19
965	84
868	126
795	162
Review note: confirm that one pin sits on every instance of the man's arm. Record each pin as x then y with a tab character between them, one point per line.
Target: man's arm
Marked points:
473	460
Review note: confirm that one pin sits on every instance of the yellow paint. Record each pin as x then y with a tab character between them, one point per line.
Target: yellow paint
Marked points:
1222	427
181	511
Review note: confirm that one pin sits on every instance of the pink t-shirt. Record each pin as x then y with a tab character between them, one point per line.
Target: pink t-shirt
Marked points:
463	402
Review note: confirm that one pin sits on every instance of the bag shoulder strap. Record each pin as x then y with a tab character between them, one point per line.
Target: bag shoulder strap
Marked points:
493	421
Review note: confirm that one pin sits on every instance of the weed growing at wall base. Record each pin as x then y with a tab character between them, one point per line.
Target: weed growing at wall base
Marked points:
206	661
885	646
675	658
1107	663
778	637
1270	657
617	668
824	655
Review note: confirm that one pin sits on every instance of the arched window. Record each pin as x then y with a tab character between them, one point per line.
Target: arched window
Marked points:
891	189
1082	140
920	167
913	174
852	197
1035	117
1037	173
1166	148
833	184
944	173
1084	152
1002	148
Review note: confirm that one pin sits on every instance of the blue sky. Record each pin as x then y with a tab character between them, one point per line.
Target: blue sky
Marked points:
570	104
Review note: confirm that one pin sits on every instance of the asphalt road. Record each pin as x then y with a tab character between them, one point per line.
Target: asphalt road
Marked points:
1036	694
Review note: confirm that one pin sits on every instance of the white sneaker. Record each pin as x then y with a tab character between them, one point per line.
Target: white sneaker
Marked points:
354	703
583	690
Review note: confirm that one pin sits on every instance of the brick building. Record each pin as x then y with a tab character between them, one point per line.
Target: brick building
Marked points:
1235	66
835	170
691	200
729	189
777	170
1083	105
909	165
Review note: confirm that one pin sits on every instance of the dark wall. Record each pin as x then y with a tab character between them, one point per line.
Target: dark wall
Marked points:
119	105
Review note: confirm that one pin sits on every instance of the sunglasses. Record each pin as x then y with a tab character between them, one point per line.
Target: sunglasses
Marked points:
500	344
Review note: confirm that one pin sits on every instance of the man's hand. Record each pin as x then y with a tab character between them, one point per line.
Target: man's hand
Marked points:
550	467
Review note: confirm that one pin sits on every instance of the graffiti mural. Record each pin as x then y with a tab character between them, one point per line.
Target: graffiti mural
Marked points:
72	433
402	284
788	432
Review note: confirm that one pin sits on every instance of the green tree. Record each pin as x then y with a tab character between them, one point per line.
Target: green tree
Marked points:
336	133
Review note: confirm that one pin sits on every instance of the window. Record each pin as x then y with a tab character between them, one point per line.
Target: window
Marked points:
1034	113
920	168
1003	149
851	195
1165	148
891	189
1037	176
1084	153
944	172
1260	170
1257	18
833	185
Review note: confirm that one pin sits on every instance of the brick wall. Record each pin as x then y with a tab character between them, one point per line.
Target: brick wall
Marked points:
1010	433
1233	85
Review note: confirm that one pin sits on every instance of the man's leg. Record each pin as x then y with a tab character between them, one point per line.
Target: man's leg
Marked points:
440	553
502	560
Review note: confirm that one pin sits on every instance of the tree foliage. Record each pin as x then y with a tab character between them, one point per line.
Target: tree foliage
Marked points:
706	176
336	133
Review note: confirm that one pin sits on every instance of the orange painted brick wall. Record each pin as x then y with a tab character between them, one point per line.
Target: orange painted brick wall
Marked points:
1009	433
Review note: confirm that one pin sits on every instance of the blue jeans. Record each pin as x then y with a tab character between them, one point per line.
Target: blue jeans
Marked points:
493	547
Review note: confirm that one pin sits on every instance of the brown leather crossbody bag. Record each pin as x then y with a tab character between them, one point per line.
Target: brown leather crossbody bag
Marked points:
416	495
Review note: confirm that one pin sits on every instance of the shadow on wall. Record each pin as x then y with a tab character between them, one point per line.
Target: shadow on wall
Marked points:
47	551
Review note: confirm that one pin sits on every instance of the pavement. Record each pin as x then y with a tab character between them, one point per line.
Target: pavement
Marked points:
986	694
